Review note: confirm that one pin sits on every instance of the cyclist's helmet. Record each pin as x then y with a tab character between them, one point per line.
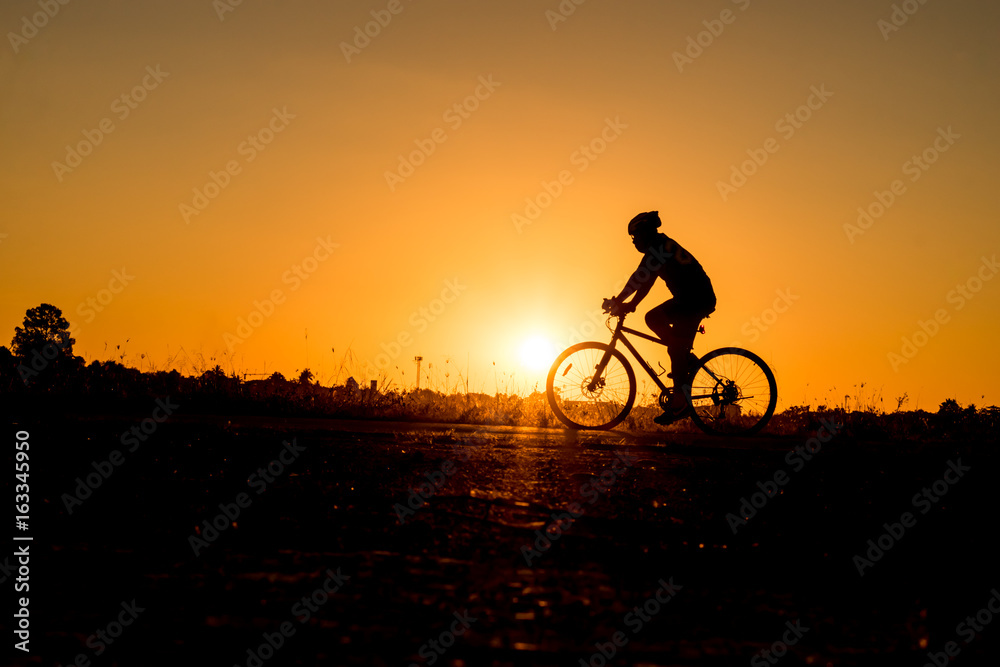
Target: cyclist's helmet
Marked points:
644	223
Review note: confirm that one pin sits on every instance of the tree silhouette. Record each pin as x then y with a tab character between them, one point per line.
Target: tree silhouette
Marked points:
306	376
43	326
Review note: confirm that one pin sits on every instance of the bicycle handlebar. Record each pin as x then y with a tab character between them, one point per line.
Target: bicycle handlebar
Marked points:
613	304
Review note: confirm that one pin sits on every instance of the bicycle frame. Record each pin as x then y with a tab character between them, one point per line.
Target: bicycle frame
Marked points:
619	336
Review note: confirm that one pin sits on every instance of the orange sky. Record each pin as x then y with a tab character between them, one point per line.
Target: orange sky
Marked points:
309	200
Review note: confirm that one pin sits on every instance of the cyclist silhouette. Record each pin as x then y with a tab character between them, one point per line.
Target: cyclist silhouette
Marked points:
675	321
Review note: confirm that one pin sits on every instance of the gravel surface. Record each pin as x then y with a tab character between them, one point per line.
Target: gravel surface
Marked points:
398	544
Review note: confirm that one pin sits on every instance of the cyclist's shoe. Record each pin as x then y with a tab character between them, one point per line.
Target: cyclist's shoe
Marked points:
692	361
672	415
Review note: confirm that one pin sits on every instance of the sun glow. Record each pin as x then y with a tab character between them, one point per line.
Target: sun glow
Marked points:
537	353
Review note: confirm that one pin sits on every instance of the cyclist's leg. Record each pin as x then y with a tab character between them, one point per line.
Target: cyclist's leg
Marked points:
689	319
659	319
685	328
676	326
677	322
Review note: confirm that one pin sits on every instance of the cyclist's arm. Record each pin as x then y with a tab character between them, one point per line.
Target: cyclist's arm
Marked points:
639	284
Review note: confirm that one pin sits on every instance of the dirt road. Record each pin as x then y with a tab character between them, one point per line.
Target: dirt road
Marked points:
254	541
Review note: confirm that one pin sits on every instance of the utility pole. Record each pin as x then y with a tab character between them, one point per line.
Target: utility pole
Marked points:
418	360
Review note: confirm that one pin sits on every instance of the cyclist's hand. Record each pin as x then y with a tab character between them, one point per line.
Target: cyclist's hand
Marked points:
616	308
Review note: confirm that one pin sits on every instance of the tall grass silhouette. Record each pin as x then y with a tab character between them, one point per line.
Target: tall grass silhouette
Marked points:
113	386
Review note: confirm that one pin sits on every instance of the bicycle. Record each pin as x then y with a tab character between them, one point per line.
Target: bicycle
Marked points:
591	385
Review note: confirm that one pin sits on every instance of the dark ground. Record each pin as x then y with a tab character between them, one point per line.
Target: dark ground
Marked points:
332	508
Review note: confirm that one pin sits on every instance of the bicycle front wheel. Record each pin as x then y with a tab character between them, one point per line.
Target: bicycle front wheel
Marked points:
732	392
582	398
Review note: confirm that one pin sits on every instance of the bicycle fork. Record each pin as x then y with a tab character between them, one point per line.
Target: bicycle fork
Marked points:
597	381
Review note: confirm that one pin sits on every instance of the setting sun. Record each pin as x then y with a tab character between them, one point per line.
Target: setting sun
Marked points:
537	353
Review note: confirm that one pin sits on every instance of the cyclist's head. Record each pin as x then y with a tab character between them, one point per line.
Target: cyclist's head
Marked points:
642	228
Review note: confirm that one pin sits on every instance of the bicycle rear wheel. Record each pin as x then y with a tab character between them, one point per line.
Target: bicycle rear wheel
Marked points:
732	392
582	400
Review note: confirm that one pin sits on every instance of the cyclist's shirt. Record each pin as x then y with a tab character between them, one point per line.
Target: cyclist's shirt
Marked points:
685	277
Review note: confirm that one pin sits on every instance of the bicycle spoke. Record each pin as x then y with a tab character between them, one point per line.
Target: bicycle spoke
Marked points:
732	393
585	400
